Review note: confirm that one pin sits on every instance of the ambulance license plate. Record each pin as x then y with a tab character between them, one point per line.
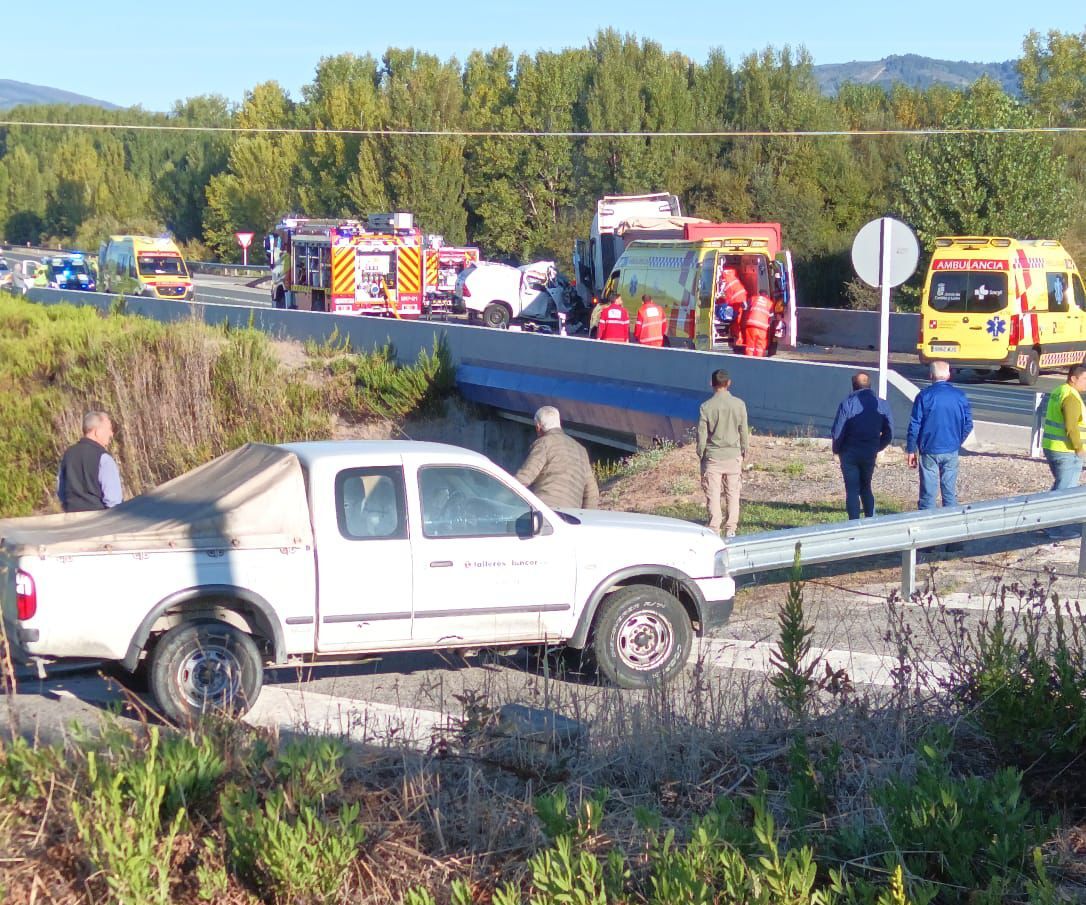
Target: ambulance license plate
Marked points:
944	347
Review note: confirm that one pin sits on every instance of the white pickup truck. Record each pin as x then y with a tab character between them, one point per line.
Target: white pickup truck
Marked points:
310	552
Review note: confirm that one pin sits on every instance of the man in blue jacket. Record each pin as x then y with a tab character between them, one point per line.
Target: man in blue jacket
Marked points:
941	420
862	429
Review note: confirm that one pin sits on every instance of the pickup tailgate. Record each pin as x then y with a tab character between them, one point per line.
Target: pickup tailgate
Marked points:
240	521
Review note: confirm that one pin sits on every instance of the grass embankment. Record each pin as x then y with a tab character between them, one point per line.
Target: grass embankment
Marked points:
754	515
180	393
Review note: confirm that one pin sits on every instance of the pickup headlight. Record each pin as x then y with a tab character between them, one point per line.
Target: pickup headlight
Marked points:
720	563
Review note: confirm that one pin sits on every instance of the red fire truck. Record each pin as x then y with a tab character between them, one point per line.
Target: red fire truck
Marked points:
444	263
348	267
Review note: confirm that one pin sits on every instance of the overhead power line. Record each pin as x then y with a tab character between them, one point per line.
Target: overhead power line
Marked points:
494	133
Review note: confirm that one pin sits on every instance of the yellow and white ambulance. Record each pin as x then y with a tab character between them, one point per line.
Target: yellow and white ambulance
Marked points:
1002	305
684	277
144	265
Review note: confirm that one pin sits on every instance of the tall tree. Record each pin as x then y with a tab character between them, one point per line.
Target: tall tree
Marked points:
260	184
985	184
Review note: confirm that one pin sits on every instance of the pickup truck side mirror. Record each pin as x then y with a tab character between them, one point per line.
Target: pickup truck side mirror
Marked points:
537	523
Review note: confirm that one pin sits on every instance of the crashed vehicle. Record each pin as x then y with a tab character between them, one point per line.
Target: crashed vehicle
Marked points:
533	296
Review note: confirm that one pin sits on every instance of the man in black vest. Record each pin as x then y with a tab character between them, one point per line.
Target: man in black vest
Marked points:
89	478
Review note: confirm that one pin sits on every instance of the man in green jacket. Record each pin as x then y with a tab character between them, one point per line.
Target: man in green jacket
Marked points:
723	439
1064	428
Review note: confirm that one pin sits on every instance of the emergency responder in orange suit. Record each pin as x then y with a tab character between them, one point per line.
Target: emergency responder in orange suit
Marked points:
649	329
756	325
734	294
614	323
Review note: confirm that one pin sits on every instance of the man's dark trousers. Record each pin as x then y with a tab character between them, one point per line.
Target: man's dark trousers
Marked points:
857	470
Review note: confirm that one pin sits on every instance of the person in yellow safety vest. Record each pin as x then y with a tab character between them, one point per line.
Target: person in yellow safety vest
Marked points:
649	329
1064	428
756	326
41	275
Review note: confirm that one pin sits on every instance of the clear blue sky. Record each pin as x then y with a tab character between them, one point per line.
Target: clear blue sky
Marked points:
155	53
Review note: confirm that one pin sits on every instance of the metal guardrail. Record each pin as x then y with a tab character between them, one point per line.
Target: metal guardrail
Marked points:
907	532
229	270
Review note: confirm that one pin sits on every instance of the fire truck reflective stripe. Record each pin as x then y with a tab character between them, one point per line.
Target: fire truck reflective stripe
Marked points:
343	272
431	268
409	271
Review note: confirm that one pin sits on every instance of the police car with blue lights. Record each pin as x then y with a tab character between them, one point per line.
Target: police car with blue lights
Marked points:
69	272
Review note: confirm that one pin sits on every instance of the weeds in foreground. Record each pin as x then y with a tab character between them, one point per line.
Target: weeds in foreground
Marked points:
707	792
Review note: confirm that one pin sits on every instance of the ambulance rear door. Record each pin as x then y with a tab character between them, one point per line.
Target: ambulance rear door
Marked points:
783	286
705	297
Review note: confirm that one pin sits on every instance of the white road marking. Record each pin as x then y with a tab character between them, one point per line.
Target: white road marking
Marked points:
755	656
985	602
369	722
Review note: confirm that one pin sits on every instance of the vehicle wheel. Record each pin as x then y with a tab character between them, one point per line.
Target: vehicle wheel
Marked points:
642	637
496	315
1028	375
205	667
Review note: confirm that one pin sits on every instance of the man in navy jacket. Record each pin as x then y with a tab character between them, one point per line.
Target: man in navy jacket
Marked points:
941	420
862	429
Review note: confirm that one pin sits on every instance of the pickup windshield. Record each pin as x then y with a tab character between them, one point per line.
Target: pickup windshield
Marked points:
968	293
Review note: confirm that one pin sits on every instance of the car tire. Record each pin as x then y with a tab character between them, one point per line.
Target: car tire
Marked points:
642	637
1028	375
496	316
205	667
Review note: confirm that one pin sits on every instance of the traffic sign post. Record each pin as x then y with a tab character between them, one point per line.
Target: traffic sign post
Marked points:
244	240
885	254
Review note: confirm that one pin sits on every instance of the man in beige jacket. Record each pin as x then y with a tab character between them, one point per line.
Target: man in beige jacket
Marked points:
557	469
723	438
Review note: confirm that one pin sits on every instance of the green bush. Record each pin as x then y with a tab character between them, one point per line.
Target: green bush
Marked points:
289	838
974	833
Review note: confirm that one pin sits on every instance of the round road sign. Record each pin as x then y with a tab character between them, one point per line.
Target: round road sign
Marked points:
867	252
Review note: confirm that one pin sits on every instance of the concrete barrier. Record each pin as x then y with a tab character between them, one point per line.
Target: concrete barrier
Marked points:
610	387
855	329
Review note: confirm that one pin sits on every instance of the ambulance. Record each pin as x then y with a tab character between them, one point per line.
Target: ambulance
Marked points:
144	265
1002	305
685	278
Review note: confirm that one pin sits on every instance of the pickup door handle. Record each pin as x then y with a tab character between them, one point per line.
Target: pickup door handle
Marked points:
441	564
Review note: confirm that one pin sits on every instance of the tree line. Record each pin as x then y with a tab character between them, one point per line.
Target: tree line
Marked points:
527	197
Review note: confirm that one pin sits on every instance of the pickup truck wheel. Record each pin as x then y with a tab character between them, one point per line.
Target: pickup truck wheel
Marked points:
642	637
205	667
496	315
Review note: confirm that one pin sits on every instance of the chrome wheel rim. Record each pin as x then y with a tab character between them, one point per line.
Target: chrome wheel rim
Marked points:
210	674
645	641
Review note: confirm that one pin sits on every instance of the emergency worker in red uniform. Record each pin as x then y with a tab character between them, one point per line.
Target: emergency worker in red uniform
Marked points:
734	294
614	324
649	329
757	324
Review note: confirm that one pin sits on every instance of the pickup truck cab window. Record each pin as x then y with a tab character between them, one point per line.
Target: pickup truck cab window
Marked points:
370	503
460	501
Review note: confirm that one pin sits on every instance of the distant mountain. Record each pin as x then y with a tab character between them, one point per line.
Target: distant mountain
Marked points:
13	94
916	72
